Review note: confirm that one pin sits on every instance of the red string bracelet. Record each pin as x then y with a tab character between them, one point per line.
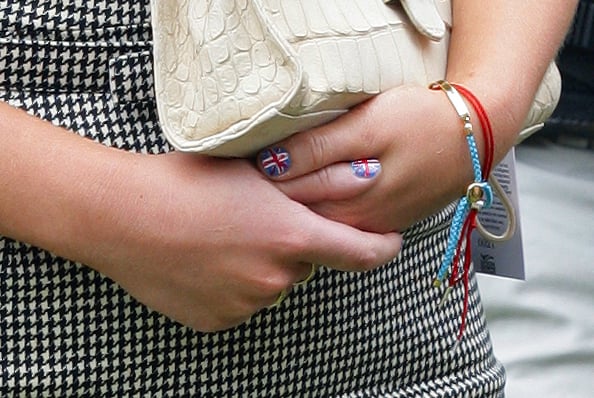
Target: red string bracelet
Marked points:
462	228
470	223
485	126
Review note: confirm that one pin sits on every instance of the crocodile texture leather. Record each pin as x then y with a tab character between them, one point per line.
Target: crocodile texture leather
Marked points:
232	76
68	331
544	104
424	15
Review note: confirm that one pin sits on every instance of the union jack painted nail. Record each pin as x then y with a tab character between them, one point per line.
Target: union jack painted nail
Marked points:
274	161
366	168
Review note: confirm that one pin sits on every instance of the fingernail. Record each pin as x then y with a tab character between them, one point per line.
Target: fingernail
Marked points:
366	168
274	161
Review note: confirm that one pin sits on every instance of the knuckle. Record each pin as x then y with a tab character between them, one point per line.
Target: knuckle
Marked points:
367	126
269	285
295	243
368	260
324	179
318	148
368	137
273	284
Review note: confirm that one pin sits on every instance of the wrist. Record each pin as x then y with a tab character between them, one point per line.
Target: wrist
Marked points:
506	109
51	181
459	96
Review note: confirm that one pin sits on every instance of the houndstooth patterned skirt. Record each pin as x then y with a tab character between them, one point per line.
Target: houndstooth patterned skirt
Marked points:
66	330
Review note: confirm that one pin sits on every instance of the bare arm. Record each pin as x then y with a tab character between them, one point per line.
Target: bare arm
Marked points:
500	51
188	236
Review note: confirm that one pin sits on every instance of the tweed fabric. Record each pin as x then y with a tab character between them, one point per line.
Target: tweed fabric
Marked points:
67	331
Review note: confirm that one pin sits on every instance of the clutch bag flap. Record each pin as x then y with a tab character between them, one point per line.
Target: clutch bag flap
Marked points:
232	76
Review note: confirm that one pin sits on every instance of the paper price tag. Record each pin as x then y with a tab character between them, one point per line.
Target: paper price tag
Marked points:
505	259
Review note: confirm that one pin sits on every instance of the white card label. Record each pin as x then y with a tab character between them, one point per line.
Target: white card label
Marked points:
505	259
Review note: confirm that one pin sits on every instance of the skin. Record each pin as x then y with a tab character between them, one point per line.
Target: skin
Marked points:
415	132
181	234
188	236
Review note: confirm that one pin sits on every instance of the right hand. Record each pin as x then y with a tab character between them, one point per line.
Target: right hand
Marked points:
209	242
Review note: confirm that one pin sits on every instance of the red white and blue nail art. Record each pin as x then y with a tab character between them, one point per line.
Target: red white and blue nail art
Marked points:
366	168
274	161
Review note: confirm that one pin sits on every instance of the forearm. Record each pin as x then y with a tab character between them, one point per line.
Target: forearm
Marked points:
48	178
500	50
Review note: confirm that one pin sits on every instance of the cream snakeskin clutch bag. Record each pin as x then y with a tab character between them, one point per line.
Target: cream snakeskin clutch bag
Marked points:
232	76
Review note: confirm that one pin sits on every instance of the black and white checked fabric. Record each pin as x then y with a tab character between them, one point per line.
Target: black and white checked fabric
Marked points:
67	331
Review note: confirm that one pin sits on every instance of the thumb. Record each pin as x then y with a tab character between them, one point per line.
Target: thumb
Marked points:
340	140
345	248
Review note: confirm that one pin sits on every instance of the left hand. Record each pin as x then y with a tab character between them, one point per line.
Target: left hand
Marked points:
415	134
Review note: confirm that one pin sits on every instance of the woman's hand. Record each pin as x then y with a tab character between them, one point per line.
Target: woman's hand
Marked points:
415	133
210	242
207	242
417	137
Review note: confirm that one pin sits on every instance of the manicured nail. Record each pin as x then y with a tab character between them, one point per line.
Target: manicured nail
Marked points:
366	168
274	161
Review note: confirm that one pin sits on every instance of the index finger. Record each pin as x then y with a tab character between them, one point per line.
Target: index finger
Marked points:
346	138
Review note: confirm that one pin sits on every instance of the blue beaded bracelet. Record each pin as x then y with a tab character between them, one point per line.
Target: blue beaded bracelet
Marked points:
479	195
